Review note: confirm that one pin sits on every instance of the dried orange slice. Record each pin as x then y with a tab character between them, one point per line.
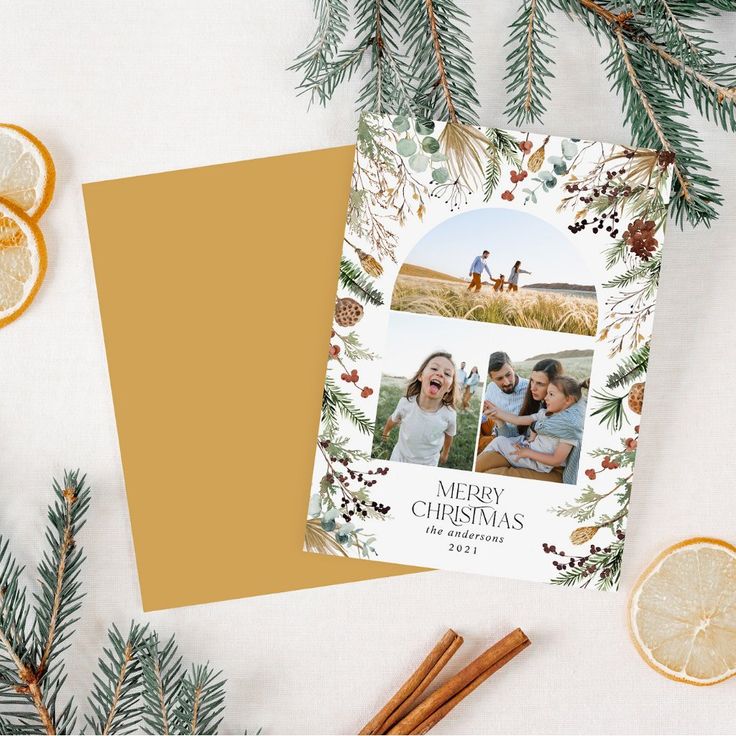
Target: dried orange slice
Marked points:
27	173
22	261
682	612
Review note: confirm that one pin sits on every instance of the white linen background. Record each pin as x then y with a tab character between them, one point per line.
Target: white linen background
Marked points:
119	89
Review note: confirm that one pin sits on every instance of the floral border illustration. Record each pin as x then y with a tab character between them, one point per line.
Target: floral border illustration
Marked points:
402	164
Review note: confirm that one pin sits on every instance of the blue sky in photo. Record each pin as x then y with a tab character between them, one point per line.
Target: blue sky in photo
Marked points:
510	236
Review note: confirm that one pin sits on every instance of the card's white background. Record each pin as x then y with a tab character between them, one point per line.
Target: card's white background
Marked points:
136	87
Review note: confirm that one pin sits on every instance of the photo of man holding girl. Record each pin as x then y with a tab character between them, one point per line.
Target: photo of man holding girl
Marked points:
534	428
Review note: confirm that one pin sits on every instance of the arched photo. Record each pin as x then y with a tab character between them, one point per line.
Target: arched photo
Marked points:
502	266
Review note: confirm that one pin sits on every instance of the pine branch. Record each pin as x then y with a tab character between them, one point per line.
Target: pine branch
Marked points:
115	698
358	284
335	401
656	122
501	147
385	90
60	597
441	66
611	410
667	20
332	24
633	367
200	702
527	65
713	93
16	650
161	668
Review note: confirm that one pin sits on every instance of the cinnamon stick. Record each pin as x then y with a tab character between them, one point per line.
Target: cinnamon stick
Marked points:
446	697
409	692
440	713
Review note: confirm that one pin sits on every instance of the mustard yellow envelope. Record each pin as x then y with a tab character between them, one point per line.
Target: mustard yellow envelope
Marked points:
216	289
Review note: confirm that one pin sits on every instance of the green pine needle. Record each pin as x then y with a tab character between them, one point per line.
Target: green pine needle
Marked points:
162	680
200	701
115	697
358	284
527	65
633	367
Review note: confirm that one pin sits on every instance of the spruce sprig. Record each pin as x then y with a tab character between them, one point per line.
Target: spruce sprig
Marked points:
135	676
631	368
115	697
502	147
528	67
314	62
200	701
161	667
441	60
358	284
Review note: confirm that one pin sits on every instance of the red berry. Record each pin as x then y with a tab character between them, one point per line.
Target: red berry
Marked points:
345	376
366	392
334	351
507	196
631	444
525	146
590	473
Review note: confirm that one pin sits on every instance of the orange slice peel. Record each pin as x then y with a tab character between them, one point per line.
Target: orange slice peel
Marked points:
682	612
22	261
27	173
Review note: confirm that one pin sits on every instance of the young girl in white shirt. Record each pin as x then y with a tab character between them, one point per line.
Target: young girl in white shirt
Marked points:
426	414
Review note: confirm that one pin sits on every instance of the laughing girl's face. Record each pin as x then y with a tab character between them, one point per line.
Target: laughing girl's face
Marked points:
437	378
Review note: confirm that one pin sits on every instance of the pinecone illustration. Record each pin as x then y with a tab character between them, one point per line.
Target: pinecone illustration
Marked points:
583	534
636	398
537	158
348	312
640	237
370	265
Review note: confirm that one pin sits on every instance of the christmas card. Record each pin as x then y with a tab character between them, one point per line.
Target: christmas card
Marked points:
487	361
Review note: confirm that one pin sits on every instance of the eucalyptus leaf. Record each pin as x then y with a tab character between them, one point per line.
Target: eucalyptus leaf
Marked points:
406	147
419	162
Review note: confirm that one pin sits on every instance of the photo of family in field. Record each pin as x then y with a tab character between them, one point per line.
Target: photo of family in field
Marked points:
534	415
429	402
502	266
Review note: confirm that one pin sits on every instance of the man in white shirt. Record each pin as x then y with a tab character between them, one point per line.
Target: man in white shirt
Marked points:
506	390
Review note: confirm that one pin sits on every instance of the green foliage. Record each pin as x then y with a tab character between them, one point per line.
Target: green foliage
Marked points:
656	121
603	567
358	284
135	678
417	52
502	147
161	667
60	597
527	64
631	368
441	60
200	701
314	62
336	402
610	408
115	697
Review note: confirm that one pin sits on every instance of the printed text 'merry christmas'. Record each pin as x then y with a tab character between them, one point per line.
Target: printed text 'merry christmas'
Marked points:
469	492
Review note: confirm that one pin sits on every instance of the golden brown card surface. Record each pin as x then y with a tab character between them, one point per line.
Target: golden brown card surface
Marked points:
216	289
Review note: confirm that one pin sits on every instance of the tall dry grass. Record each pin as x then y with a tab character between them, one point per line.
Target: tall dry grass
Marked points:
533	309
